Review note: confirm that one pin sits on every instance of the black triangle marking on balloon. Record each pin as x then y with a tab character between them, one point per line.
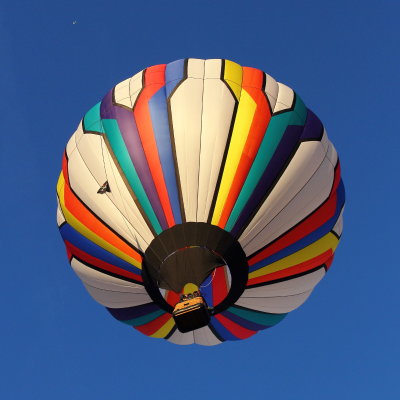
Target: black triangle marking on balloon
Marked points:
105	187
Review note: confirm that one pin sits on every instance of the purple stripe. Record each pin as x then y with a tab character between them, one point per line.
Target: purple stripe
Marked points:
313	128
245	323
285	149
130	134
125	314
222	332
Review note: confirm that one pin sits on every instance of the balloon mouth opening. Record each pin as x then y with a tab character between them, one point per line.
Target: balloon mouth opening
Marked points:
189	265
192	253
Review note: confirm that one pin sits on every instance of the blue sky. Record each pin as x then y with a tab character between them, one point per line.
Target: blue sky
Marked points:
342	58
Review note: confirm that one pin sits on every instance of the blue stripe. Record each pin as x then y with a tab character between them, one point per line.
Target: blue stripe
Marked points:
307	240
245	323
145	319
159	118
74	237
221	330
174	73
128	313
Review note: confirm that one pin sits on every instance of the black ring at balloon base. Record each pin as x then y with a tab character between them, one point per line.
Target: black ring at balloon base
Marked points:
178	244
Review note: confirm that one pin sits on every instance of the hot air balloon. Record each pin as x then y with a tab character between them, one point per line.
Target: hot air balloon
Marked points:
200	201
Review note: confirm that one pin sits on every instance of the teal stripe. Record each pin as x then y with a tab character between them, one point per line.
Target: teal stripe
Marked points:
144	319
273	135
257	317
118	146
92	120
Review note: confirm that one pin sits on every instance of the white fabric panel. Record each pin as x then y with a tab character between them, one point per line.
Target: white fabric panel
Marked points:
338	228
195	68
271	89
74	139
135	86
126	92
218	107
289	287
205	337
60	215
212	69
285	98
71	145
122	198
90	150
308	199
103	281
85	185
121	296
332	154
181	338
275	305
330	149
186	106
122	93
117	299
325	140
122	210
303	165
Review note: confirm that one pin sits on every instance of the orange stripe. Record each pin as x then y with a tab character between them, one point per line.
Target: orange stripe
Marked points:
172	298
81	213
154	80
252	83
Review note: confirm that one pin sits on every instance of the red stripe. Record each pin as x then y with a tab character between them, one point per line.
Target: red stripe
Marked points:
96	262
65	168
239	331
252	83
296	269
336	180
172	298
154	80
83	214
69	254
329	261
219	286
310	224
153	326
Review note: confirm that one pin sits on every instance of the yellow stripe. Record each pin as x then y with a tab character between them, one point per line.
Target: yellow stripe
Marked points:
329	241
83	230
233	75
164	330
244	118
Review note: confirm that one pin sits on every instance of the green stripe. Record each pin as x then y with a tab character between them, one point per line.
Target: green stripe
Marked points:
92	120
257	317
273	135
144	319
118	146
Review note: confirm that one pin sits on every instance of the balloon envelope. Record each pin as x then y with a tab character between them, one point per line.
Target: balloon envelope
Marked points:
200	174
